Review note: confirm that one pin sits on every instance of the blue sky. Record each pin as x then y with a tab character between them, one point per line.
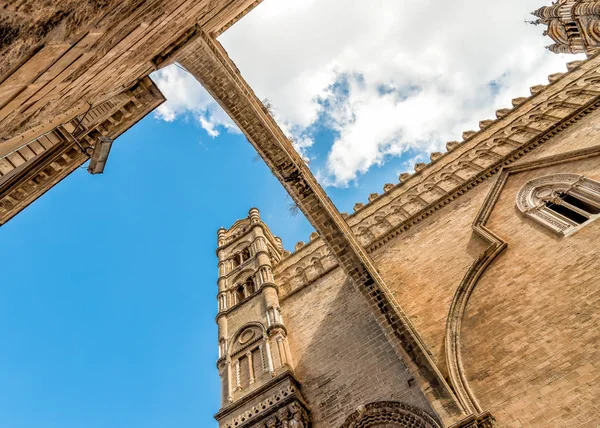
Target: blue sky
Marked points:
108	299
107	302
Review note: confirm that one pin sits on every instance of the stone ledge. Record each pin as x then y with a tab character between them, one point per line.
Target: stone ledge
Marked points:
280	399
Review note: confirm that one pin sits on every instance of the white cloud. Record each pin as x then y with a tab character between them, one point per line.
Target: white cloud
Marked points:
185	96
415	74
388	76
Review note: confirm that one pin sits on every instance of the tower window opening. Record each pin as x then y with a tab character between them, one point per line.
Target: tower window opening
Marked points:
239	294
245	255
250	287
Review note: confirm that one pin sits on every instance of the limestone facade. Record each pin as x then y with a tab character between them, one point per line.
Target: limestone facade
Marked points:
465	295
504	303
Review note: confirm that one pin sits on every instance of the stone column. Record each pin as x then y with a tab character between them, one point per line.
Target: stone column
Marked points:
250	367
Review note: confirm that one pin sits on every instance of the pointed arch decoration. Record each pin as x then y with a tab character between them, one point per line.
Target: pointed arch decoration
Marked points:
246	336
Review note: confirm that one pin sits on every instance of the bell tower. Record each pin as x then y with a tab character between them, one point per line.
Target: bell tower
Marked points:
573	25
255	362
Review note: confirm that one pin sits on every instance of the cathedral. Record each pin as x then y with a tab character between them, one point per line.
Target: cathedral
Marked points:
464	295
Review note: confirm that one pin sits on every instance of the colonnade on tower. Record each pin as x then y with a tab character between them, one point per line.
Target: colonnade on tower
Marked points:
254	352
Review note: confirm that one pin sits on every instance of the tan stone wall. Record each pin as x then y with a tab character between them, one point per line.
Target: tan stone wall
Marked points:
341	356
531	331
424	266
530	335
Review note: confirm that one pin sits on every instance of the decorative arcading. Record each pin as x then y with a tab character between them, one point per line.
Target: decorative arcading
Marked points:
569	97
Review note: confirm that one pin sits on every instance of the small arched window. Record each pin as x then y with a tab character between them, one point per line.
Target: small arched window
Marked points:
245	254
244	290
561	202
249	286
239	294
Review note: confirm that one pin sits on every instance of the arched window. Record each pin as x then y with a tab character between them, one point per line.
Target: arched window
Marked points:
249	286
561	202
250	359
245	254
389	414
244	290
239	294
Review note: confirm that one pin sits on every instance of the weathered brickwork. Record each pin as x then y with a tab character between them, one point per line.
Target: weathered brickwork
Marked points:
531	335
423	267
342	357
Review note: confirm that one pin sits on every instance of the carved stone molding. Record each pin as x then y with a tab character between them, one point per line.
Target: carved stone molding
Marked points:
482	420
390	414
532	198
516	132
278	404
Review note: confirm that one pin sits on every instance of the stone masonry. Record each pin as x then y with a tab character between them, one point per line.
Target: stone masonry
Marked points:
465	295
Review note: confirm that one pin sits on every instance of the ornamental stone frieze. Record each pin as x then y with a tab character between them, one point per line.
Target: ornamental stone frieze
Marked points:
530	122
278	404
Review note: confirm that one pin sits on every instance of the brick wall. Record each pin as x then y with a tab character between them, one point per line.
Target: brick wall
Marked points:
530	335
341	356
531	330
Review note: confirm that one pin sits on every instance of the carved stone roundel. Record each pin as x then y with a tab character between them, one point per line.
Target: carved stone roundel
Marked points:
247	336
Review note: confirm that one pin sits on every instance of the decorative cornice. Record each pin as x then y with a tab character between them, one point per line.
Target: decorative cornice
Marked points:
390	412
583	79
263	402
483	175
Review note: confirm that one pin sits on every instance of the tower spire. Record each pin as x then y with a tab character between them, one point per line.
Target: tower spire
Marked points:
573	25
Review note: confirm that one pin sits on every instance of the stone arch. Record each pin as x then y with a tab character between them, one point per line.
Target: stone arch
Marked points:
242	276
540	197
246	336
317	265
300	275
383	223
365	235
389	414
240	246
242	286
